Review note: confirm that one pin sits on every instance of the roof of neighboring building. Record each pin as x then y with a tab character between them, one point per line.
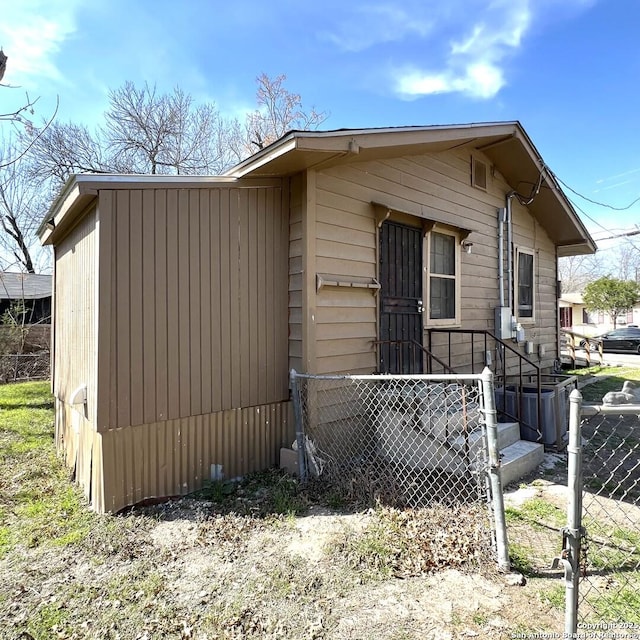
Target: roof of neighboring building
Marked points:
572	298
24	286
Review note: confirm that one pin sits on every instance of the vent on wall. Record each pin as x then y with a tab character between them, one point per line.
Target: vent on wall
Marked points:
478	174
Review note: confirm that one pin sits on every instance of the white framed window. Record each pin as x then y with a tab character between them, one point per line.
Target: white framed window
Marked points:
442	267
525	284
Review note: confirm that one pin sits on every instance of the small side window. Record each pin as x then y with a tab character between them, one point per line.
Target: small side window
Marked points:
525	284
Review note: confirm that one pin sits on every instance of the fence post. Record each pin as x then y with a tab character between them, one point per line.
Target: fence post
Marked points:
297	414
573	533
497	499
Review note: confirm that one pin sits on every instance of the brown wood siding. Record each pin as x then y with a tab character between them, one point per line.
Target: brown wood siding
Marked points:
435	186
194	302
175	457
75	314
297	196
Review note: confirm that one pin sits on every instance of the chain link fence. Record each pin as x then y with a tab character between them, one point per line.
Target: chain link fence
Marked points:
422	441
25	366
406	442
609	587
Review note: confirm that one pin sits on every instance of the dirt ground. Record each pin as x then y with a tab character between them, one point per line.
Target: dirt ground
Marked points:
185	570
266	560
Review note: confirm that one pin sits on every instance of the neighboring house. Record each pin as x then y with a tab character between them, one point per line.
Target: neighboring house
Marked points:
575	317
182	302
29	292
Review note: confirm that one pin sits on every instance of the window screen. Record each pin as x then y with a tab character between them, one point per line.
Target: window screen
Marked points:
525	285
442	277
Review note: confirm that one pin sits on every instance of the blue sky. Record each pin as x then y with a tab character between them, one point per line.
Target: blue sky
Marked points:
567	69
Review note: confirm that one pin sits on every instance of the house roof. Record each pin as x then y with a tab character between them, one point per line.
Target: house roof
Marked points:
506	144
572	298
24	286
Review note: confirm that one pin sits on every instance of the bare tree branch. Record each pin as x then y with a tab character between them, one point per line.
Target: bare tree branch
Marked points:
33	139
278	112
146	131
22	206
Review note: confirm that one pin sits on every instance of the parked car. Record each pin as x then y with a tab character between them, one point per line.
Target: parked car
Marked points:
627	339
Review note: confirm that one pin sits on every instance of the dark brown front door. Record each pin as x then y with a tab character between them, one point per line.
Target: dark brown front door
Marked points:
566	317
401	298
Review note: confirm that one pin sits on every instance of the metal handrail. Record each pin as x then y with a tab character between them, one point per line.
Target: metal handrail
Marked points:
432	356
506	347
415	345
501	373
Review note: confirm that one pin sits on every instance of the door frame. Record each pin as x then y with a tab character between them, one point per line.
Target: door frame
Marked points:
408	357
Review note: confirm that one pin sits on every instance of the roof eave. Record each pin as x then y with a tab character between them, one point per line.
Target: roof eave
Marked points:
328	144
579	248
81	189
313	148
77	193
278	148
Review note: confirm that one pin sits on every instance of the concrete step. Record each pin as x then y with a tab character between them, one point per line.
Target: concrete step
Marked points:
508	433
519	459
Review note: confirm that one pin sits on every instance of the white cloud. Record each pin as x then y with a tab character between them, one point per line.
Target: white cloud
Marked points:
373	24
473	63
32	32
479	80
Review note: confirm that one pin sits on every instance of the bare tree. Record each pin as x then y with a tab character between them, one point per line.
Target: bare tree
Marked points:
20	119
279	111
20	203
147	132
64	149
144	132
575	272
626	261
22	206
150	132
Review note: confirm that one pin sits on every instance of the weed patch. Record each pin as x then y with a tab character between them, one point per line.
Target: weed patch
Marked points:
416	542
521	558
537	512
554	596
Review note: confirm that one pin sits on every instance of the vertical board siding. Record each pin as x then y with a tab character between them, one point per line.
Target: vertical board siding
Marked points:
122	298
76	341
136	345
206	381
175	457
149	305
198	301
437	185
158	313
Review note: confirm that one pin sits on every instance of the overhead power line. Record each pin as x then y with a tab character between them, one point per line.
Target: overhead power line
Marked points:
621	235
600	204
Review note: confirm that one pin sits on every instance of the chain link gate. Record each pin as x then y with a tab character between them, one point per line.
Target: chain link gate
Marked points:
601	546
404	440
